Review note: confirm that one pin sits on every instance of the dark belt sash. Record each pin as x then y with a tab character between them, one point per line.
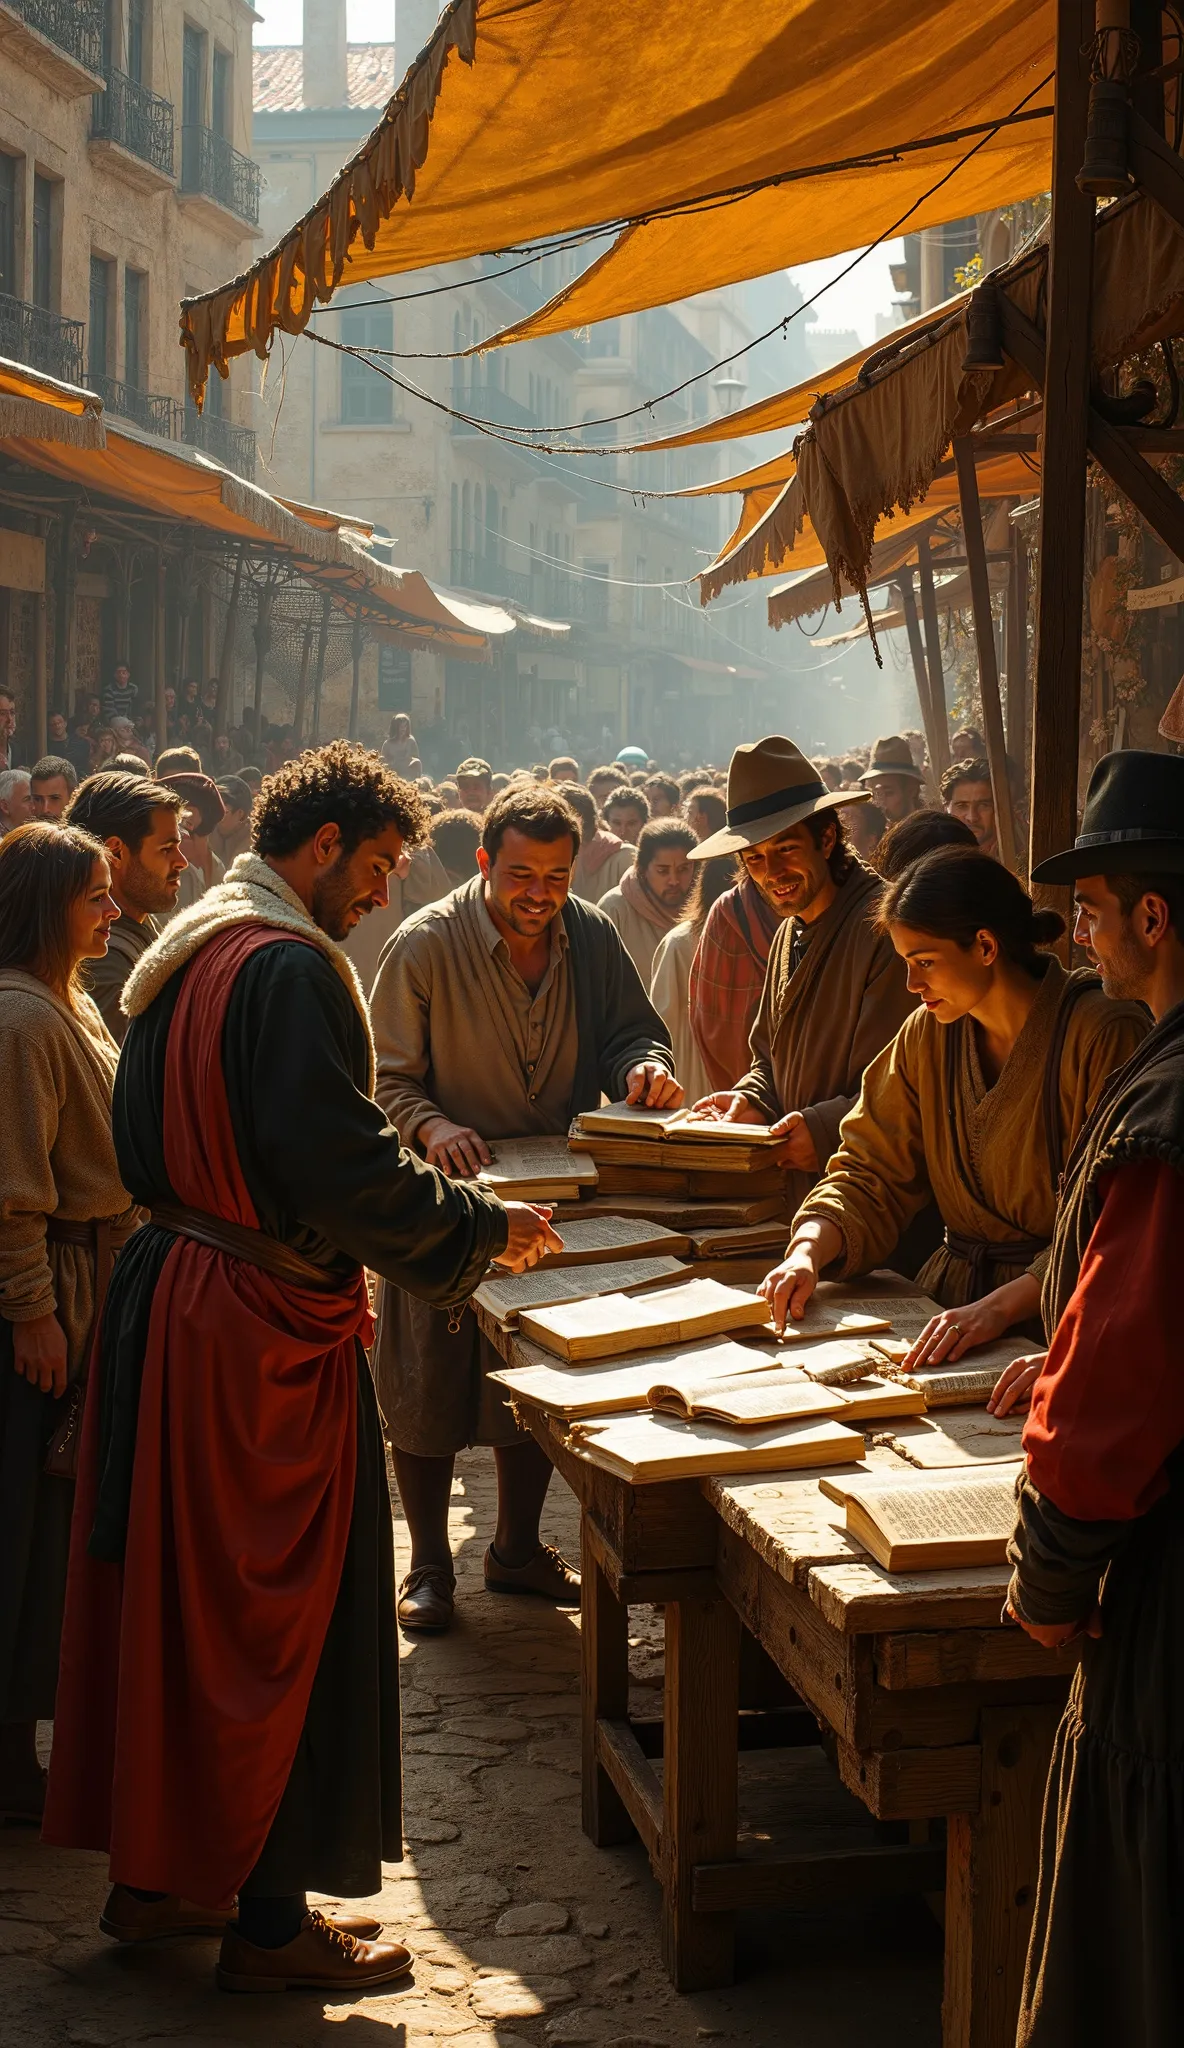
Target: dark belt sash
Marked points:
982	1252
240	1242
102	1237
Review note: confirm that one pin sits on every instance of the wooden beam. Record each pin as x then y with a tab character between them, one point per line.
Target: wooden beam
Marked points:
319	677
1017	649
1112	446
226	658
161	718
355	689
1065	382
63	635
908	605
302	686
984	635
937	681
262	632
821	1877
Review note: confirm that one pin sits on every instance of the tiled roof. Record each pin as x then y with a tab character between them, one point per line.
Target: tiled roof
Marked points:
279	76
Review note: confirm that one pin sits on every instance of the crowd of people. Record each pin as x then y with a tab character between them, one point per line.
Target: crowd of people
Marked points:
269	1027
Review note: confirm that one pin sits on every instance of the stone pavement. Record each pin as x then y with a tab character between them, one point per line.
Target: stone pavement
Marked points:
525	1935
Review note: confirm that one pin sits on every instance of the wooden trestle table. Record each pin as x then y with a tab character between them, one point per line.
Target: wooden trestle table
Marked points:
929	1708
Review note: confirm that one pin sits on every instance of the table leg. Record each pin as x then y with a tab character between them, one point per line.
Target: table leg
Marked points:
992	1858
699	1783
604	1670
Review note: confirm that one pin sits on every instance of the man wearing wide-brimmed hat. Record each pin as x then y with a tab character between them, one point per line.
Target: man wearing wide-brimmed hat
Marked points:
892	778
1099	1545
835	990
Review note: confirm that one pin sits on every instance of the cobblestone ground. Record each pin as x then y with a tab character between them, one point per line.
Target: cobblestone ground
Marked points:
525	1935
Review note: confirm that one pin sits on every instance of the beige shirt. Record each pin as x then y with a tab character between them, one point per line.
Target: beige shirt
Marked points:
57	1157
459	1033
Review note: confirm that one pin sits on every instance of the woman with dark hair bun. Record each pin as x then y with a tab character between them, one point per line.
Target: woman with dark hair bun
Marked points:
974	1106
63	1212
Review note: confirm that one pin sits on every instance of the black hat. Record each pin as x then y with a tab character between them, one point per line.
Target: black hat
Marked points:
1133	820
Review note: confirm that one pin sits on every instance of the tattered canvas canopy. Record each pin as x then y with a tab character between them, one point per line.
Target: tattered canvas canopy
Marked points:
869	462
727	141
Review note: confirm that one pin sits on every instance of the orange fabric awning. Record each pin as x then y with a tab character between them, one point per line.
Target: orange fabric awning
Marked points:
33	404
727	142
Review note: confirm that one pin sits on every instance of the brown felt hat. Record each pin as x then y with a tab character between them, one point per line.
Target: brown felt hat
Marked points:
771	786
892	756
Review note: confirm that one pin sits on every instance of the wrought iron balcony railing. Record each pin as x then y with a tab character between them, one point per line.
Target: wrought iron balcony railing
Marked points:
154	411
76	26
138	120
475	571
210	165
489	402
30	334
228	444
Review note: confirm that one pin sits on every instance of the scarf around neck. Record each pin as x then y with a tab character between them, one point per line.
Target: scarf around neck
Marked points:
251	893
638	897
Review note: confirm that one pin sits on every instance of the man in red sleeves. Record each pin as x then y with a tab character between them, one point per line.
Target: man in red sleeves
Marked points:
1099	1545
227	1720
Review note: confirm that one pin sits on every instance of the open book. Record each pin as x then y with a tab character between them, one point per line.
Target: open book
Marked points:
681	1212
968	1382
536	1170
620	1120
839	1319
963	1437
616	1324
647	1447
836	1361
589	1240
957	1519
573	1391
508	1295
779	1396
691	1154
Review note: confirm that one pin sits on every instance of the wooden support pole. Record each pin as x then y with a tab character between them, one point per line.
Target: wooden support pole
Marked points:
940	747
40	676
984	635
319	678
159	675
908	605
302	685
604	1668
262	633
1016	652
356	684
1057	691
226	658
63	637
207	633
699	1783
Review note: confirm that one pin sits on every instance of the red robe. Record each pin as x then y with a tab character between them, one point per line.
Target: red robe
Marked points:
186	1672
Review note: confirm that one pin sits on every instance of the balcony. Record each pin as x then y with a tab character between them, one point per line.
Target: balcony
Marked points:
216	180
131	131
550	593
59	41
487	574
233	447
30	334
155	412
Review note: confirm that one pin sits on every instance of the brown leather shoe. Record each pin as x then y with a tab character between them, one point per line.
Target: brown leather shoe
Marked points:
322	1958
426	1602
360	1925
547	1575
126	1918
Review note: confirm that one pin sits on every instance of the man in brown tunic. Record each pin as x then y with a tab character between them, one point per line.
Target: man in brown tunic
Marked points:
139	823
835	991
502	1011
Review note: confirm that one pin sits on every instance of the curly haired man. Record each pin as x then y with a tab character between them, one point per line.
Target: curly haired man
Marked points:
227	1717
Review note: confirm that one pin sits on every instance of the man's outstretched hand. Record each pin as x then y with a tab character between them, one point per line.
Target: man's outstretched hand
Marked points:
455	1148
649	1086
530	1237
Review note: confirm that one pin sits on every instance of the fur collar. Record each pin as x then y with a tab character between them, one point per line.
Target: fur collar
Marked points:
251	893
